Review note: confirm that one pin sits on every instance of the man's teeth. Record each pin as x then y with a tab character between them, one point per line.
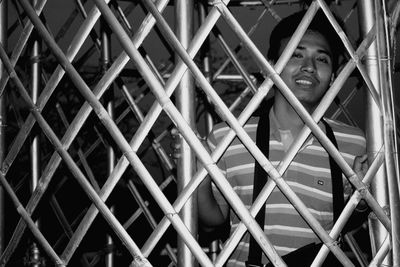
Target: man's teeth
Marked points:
304	82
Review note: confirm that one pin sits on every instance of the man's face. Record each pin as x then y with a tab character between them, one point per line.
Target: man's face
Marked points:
308	73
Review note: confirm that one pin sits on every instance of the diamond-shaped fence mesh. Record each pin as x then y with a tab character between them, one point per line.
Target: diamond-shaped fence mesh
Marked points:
106	106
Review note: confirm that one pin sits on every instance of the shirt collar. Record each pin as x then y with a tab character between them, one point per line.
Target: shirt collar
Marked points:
275	126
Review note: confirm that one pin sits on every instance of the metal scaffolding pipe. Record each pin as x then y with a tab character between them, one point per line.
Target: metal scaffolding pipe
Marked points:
105	59
206	63
185	102
35	87
3	41
35	81
373	122
389	129
21	43
208	119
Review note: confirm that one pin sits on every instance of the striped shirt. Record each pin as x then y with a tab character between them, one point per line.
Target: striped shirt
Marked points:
308	176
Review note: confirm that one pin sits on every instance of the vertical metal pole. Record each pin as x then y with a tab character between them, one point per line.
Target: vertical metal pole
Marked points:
106	61
389	126
3	40
36	71
374	122
206	61
185	102
209	122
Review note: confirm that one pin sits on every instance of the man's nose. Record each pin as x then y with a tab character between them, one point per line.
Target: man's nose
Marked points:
308	65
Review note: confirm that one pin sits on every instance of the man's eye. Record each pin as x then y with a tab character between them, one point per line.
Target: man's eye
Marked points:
323	59
296	55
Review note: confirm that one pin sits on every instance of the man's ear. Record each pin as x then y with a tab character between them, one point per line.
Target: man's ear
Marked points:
339	69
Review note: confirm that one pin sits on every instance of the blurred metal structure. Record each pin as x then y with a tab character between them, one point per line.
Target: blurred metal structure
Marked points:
3	40
125	137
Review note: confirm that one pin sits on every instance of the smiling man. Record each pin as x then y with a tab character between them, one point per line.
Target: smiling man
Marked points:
312	173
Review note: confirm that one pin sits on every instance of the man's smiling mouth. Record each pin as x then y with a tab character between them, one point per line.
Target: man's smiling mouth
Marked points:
304	82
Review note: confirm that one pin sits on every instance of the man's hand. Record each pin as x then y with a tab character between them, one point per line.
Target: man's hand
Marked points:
360	165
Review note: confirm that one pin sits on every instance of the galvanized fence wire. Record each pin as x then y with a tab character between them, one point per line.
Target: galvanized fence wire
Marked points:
162	92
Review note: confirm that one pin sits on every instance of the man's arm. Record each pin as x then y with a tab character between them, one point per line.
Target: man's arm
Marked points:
357	219
360	167
211	214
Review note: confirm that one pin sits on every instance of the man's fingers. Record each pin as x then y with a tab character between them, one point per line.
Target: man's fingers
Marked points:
360	164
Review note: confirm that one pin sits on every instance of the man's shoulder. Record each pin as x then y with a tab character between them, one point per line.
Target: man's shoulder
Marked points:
350	138
344	128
